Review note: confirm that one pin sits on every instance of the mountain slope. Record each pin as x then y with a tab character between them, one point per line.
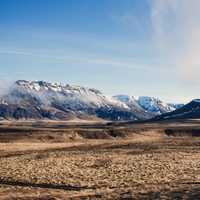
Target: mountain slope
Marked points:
190	110
149	105
154	105
134	106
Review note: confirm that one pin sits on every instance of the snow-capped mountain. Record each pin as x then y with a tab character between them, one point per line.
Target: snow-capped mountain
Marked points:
133	105
39	99
154	105
73	96
43	100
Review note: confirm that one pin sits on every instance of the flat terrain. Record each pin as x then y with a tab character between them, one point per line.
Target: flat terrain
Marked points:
51	160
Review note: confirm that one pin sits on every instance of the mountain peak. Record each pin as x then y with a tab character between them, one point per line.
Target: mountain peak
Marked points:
57	87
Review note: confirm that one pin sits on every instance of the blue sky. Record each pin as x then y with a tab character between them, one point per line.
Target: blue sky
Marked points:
118	46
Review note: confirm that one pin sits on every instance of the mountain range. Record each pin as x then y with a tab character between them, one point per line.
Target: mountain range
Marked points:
55	101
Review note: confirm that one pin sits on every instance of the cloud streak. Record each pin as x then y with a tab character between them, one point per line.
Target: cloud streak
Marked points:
77	58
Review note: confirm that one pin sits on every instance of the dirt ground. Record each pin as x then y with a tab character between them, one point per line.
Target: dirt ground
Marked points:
47	162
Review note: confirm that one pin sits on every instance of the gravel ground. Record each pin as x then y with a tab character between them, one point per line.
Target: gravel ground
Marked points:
143	168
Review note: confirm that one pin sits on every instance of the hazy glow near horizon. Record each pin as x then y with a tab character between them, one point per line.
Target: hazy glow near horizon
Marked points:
148	47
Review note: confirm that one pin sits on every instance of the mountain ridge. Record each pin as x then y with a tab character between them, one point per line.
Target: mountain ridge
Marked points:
45	100
190	110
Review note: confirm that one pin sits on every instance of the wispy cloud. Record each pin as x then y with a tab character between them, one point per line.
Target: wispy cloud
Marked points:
83	59
176	31
16	52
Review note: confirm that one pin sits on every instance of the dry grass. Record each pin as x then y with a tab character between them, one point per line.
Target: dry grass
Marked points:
143	165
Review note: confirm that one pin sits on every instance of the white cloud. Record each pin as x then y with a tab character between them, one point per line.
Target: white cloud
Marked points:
176	31
5	86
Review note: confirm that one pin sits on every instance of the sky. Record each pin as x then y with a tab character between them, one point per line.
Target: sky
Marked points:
134	47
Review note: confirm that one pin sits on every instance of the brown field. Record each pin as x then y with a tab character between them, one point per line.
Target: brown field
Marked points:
52	161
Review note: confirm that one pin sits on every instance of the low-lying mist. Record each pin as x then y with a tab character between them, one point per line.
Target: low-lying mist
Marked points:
5	87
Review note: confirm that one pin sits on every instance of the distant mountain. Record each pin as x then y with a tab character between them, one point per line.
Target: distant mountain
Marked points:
43	100
150	105
188	111
134	106
155	105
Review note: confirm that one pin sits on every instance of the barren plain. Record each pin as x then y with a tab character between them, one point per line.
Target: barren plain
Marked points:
57	160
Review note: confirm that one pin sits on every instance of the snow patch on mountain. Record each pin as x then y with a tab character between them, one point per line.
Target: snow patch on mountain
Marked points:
129	101
154	105
147	104
48	92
